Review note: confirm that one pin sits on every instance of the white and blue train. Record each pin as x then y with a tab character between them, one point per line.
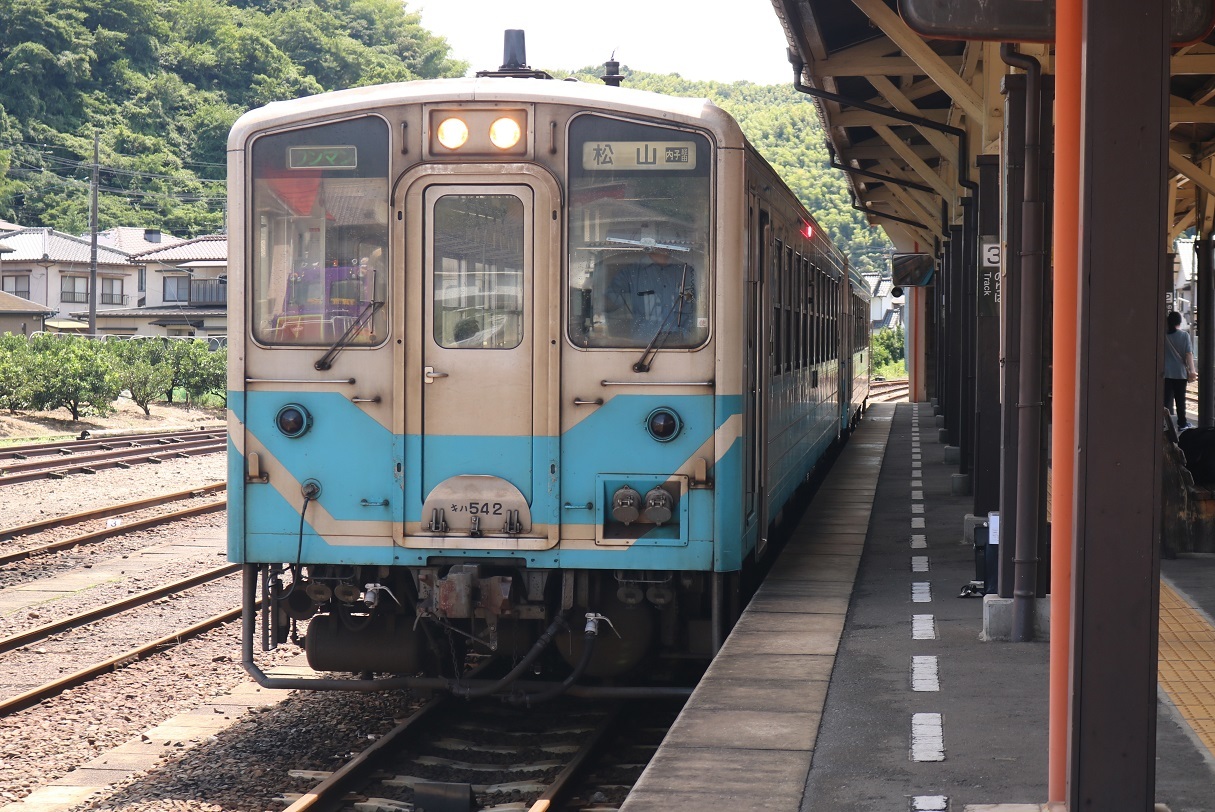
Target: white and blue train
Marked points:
510	353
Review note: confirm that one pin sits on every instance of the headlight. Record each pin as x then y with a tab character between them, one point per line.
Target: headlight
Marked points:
663	424
453	133
505	133
293	420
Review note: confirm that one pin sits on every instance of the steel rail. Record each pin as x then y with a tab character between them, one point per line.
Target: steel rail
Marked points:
104	443
329	793
116	607
125	457
74	460
565	779
112	510
98	535
50	689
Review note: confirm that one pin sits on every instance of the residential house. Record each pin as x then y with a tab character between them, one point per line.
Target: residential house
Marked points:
21	316
52	268
185	292
132	240
885	308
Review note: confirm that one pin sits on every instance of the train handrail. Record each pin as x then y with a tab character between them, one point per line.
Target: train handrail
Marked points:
349	381
709	384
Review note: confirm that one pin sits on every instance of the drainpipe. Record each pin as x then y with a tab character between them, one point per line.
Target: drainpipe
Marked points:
1030	409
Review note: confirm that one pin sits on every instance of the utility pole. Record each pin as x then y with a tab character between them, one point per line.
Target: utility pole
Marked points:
93	236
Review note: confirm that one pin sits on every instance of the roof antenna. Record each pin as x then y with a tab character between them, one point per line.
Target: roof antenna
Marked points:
514	59
514	50
612	75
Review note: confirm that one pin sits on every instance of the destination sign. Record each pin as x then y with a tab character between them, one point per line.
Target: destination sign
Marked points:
662	155
340	157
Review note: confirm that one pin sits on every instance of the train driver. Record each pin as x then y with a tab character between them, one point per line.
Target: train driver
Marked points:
655	293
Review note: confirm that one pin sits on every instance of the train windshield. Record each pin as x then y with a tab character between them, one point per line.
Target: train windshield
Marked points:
639	235
319	238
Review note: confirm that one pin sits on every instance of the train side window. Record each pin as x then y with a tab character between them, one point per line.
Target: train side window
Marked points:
639	235
318	235
477	272
811	300
790	298
778	279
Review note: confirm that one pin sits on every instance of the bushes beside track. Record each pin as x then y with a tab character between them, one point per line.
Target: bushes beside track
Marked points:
46	371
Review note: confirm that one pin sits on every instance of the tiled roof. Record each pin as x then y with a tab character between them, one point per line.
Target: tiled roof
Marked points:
15	304
49	245
132	240
5	225
211	246
146	312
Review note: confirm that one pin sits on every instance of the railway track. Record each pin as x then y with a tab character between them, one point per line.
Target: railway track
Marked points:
123	525
59	460
54	687
458	756
888	391
28	451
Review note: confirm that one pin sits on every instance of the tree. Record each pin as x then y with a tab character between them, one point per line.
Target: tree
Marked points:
196	368
73	373
15	362
141	369
887	346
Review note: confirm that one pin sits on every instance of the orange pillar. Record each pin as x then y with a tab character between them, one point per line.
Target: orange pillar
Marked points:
1066	314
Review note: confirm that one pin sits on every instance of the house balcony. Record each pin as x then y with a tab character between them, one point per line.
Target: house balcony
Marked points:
208	292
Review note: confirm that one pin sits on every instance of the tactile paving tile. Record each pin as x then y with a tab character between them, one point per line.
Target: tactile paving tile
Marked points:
1186	663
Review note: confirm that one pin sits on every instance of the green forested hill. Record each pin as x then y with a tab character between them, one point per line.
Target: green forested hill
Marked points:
163	80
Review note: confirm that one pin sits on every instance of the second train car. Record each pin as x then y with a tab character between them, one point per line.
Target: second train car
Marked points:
514	358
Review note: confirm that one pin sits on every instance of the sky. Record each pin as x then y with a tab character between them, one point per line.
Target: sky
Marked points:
698	39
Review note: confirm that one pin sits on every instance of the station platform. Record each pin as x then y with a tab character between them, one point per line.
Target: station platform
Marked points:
857	678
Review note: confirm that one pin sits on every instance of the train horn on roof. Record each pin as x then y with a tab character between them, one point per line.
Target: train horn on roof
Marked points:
514	50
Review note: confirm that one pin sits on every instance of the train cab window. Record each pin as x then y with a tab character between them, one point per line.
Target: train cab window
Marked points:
478	271
319	235
639	225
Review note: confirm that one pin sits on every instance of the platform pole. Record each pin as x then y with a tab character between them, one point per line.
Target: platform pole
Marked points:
1124	117
1063	370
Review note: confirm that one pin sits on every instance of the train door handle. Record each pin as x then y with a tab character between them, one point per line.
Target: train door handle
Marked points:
429	375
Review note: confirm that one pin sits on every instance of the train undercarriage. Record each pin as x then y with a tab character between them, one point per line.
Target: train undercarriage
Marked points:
439	624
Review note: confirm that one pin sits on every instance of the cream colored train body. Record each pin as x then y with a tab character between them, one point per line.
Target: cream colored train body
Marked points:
507	351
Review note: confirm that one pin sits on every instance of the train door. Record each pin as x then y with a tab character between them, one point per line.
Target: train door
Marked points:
750	365
483	363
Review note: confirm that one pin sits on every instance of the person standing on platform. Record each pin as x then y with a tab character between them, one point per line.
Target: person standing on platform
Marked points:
1178	367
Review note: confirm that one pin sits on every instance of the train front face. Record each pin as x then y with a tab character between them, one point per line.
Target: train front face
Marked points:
474	390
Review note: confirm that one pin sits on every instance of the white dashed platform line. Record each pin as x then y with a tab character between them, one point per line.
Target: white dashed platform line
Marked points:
917	523
930	803
917	495
921	592
919	563
927	737
923	627
919	541
917	508
917	483
924	675
916	464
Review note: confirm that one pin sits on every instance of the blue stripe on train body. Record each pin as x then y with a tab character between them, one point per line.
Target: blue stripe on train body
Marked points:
355	458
